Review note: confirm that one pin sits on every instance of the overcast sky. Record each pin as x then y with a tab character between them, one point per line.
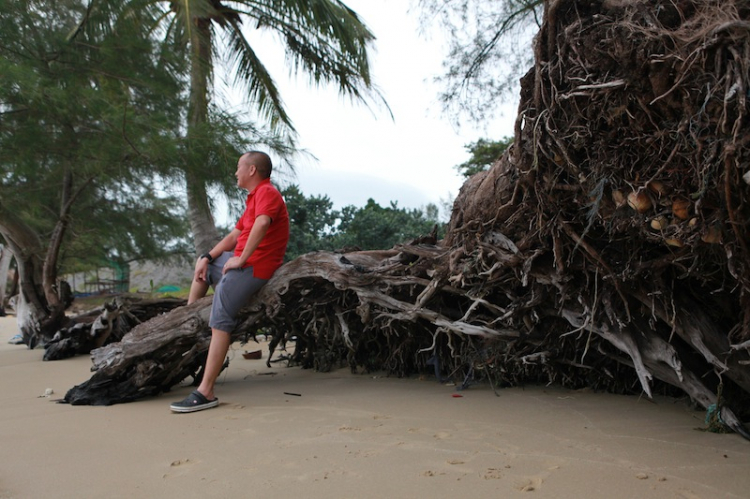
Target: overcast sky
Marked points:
362	153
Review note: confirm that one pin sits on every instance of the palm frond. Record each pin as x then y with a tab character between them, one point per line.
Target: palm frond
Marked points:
324	38
253	74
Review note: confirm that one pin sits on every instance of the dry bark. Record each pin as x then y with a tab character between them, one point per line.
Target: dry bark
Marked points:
104	325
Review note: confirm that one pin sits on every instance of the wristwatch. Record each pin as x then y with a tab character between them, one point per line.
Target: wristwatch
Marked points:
208	257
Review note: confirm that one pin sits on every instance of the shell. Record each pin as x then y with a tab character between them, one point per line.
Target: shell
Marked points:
640	201
619	198
681	208
659	223
657	187
671	241
712	235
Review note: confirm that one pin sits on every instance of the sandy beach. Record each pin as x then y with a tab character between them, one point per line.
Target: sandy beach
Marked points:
287	432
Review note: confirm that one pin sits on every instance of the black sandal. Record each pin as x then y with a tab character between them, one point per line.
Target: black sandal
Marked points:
193	403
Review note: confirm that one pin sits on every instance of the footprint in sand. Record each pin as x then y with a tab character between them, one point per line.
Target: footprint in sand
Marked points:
442	435
237	414
687	494
492	474
529	484
179	467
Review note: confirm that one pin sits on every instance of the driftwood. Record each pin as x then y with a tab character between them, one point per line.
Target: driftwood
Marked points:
151	358
106	324
608	248
157	354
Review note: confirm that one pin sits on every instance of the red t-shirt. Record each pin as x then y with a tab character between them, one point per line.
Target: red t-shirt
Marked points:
265	199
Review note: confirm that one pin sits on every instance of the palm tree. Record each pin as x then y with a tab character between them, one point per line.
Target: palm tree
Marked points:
324	38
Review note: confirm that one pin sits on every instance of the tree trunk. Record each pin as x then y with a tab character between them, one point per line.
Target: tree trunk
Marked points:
150	359
34	320
40	311
105	325
53	293
202	224
6	256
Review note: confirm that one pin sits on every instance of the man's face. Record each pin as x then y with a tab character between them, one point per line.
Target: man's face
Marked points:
245	172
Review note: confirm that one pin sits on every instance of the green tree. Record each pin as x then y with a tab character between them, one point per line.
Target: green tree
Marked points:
324	38
489	50
484	153
315	225
87	127
312	222
375	227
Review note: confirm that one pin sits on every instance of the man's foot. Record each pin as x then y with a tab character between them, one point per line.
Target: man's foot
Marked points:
193	403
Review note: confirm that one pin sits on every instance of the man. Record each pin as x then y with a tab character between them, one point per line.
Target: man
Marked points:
238	266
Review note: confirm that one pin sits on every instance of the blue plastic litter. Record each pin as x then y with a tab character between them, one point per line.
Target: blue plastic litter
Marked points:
713	412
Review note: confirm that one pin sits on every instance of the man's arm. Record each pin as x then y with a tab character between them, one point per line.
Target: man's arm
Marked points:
257	233
226	244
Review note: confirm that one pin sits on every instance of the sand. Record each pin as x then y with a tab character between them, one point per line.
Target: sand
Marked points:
347	436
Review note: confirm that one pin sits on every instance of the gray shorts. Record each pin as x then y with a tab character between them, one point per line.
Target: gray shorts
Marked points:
232	291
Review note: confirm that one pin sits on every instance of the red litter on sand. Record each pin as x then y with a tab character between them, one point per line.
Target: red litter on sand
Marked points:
457	395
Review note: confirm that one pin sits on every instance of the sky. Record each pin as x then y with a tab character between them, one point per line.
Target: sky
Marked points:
363	153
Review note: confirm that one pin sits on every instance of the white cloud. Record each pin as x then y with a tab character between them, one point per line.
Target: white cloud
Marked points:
354	188
363	153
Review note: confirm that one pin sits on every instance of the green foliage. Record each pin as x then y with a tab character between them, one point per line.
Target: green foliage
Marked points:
314	225
484	153
489	51
89	132
375	227
311	222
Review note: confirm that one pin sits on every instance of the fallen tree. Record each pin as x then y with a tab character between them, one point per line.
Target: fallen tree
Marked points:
106	324
608	248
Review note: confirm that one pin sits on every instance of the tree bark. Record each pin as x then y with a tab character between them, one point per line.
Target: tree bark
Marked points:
202	224
34	319
6	256
40	309
105	325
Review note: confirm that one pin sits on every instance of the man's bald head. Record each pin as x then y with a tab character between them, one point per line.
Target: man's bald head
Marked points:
261	161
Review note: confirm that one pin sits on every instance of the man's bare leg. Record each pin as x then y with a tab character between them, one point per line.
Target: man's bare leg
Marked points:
198	289
217	352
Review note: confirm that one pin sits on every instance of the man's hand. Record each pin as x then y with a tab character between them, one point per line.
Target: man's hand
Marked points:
201	270
233	263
